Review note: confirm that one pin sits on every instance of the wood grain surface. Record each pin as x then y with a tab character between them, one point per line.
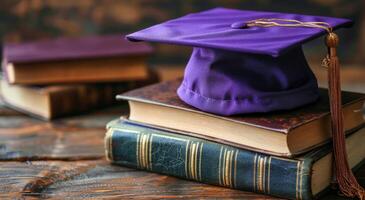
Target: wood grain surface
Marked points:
99	179
75	138
64	159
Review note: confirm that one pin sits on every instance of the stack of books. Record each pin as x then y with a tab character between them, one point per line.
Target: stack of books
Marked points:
285	154
54	78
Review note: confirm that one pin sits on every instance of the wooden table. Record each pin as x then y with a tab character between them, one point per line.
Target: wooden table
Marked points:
65	159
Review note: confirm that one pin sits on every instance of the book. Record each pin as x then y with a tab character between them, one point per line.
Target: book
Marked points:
191	158
75	60
49	102
285	133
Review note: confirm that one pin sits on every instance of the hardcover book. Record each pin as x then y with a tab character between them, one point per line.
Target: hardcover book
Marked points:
285	133
65	60
49	102
168	152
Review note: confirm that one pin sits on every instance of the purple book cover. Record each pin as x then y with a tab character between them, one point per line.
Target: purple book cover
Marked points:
73	48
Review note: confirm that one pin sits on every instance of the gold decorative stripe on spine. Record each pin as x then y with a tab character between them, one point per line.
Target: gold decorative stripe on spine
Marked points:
263	165
299	185
193	152
150	153
142	154
224	167
196	162
108	144
265	175
192	163
227	167
297	181
141	150
144	150
260	173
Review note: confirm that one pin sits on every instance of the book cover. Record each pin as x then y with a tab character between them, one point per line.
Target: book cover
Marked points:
49	102
87	59
164	94
166	152
88	47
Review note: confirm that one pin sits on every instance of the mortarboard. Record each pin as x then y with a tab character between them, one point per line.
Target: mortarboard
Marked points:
249	62
236	69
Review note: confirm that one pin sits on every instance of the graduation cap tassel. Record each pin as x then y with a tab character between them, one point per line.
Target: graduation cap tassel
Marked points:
346	180
344	177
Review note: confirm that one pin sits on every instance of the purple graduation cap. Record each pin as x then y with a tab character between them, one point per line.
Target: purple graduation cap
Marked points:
238	68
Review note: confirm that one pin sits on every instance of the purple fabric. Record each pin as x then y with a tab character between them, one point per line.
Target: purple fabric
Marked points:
248	70
229	83
212	29
73	48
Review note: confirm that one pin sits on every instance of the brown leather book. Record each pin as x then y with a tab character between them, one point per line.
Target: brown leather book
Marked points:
49	102
75	60
285	133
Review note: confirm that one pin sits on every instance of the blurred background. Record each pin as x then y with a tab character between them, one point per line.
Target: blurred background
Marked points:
24	20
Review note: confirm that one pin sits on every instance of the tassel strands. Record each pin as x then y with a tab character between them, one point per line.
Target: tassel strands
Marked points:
346	180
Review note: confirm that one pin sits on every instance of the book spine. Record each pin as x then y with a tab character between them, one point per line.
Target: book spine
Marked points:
80	98
208	162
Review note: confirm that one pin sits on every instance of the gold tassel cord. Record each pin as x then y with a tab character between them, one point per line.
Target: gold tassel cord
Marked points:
270	22
346	180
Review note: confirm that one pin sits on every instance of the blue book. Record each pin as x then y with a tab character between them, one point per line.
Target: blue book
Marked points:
167	152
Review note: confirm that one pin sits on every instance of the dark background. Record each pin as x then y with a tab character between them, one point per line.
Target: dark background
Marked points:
24	20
